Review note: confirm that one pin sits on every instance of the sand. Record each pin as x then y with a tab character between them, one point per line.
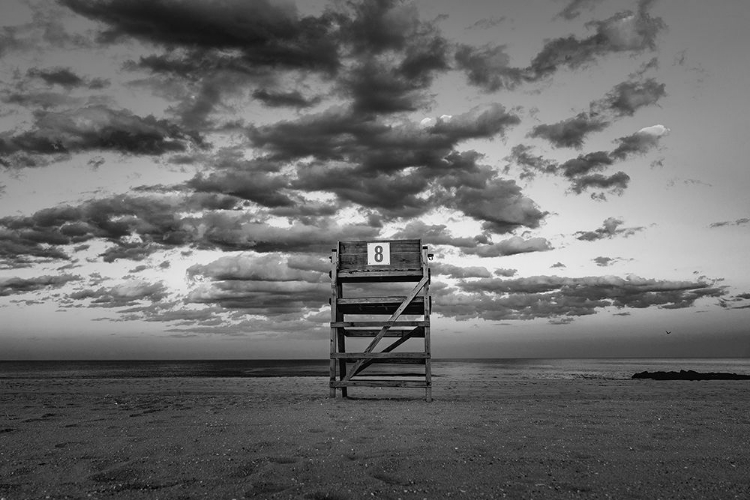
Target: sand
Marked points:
284	438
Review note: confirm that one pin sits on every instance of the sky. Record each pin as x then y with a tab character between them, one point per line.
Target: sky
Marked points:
174	174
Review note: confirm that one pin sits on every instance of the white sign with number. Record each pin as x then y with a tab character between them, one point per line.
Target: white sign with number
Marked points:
378	254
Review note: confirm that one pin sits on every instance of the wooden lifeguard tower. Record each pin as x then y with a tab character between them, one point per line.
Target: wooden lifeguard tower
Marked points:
359	269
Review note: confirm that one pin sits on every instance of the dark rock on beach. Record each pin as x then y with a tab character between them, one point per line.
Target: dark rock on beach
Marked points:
691	375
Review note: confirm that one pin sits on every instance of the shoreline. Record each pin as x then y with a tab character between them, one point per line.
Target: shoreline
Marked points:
284	438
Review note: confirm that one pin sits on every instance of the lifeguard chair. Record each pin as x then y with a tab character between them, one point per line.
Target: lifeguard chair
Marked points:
359	269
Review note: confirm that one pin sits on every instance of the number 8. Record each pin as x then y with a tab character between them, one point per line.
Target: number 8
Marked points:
378	253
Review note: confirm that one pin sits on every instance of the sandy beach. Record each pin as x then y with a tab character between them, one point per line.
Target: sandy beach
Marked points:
284	438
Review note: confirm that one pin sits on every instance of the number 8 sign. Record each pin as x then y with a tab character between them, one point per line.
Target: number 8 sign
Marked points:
378	254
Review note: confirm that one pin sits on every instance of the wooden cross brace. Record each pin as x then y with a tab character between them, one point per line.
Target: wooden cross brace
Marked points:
358	365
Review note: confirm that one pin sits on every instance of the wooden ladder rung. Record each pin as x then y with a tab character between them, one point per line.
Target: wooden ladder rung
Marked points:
378	324
380	355
419	384
390	333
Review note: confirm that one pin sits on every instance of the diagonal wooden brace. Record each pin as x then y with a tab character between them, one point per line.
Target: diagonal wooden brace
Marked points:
389	323
391	347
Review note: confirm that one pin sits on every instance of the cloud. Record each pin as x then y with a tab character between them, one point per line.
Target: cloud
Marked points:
66	78
623	100
263	32
341	134
293	99
511	246
500	206
574	8
640	142
530	165
627	97
615	183
569	133
436	234
585	164
487	23
267	298
609	229
604	261
263	188
451	271
15	285
626	31
128	293
554	297
737	222
95	128
266	267
488	67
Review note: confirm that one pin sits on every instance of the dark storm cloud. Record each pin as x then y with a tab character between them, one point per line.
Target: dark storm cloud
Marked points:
362	160
500	206
341	134
555	297
66	78
488	67
397	56
154	221
376	87
14	285
627	97
585	164
265	33
293	99
379	26
639	143
604	261
94	128
261	187
627	31
616	183
570	133
610	228
393	194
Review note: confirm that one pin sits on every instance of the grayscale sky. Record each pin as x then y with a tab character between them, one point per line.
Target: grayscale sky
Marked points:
174	174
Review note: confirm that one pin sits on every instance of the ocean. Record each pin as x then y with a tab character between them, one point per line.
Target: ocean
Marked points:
447	369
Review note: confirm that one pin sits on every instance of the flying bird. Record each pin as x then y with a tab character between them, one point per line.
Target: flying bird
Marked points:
668	332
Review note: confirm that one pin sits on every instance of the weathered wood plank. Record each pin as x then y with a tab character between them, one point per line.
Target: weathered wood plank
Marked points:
360	246
379	275
417	384
336	289
381	355
381	305
417	333
378	324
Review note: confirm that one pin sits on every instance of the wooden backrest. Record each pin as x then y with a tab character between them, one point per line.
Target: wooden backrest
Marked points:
380	255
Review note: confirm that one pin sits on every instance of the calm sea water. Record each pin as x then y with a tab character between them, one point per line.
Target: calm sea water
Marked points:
456	369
